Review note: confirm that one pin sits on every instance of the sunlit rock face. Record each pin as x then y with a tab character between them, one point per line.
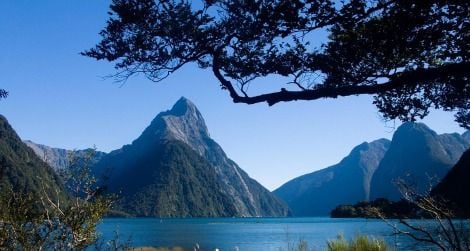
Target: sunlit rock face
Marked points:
59	158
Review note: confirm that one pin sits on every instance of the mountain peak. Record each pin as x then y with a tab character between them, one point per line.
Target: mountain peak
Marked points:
183	122
182	106
180	171
349	180
416	155
416	133
414	127
365	148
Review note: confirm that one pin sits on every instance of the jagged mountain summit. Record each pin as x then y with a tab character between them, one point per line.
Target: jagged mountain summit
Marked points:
174	169
317	193
418	156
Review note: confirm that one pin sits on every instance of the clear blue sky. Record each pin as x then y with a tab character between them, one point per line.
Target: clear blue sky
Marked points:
60	99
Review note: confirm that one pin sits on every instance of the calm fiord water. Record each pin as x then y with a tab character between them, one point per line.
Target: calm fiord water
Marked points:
246	233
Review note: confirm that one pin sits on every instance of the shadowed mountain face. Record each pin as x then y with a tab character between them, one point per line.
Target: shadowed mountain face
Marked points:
317	193
419	157
20	168
455	186
174	169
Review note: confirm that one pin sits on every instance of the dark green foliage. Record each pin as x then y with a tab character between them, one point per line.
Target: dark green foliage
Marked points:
389	209
30	221
20	169
36	211
412	55
347	211
172	181
455	187
17	209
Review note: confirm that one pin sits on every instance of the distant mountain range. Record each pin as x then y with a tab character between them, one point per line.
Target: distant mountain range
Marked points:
416	154
59	158
346	182
174	169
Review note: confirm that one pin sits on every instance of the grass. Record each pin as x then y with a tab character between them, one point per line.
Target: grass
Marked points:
360	243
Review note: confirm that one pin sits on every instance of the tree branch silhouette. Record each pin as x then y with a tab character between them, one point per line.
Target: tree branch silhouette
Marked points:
411	56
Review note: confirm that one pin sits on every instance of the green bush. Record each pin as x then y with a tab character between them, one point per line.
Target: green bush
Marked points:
37	220
360	243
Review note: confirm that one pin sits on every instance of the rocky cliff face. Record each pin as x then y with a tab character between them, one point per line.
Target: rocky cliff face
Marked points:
59	158
200	163
317	193
55	157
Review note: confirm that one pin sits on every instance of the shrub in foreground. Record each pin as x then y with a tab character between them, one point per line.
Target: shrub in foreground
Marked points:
360	243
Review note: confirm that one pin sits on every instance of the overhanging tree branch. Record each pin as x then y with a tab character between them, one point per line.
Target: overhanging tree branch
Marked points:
411	55
409	78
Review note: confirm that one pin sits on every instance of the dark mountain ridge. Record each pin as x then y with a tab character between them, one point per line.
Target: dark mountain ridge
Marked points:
20	169
455	187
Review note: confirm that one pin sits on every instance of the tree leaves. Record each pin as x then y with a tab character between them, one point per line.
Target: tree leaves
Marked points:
370	45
